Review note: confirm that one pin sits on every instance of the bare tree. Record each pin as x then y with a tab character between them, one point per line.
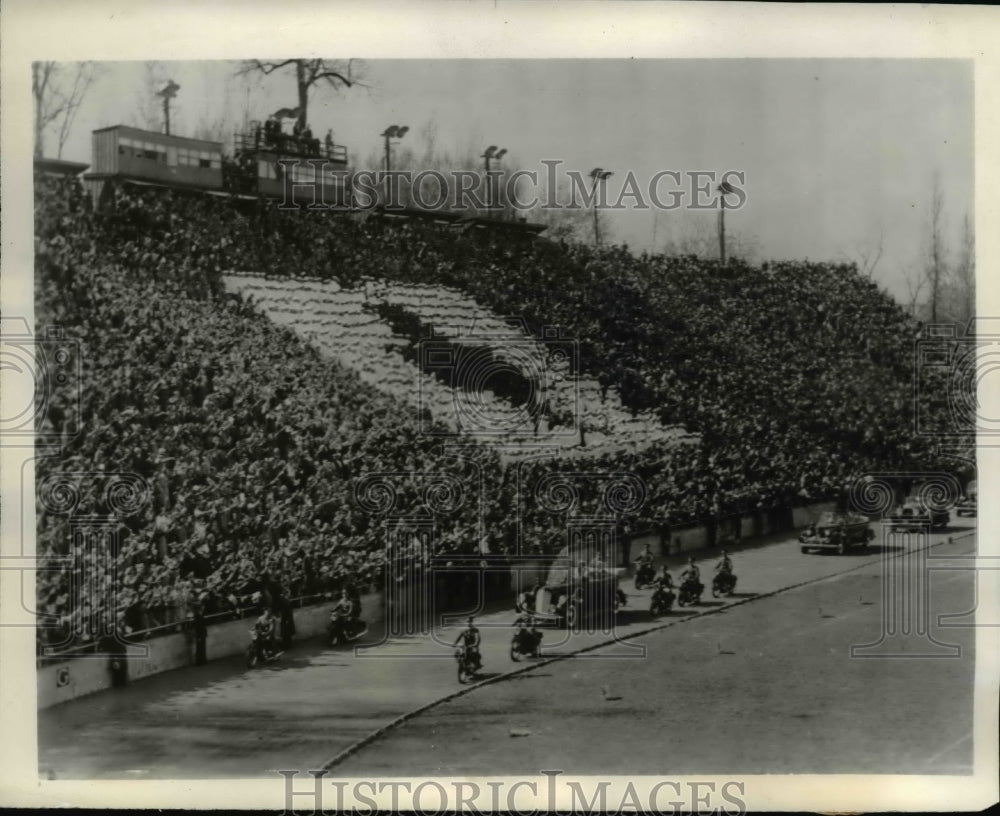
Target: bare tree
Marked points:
699	236
429	135
58	90
931	278
213	128
935	270
959	290
217	122
420	153
914	288
573	224
867	256
147	111
965	272
309	73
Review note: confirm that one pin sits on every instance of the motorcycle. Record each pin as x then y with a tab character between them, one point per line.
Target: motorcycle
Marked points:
690	593
344	629
644	574
260	652
661	602
525	643
723	584
467	668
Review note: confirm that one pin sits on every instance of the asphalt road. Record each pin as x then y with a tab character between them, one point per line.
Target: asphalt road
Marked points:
767	687
759	682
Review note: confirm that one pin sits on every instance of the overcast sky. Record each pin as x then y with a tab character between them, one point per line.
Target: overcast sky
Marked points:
836	152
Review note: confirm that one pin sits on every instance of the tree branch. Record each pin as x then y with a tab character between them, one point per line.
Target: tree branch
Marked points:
263	67
331	75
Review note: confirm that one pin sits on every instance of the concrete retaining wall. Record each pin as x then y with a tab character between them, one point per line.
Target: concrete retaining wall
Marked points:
60	682
690	539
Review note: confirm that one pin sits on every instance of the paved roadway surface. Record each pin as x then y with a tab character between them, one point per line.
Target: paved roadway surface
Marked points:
761	682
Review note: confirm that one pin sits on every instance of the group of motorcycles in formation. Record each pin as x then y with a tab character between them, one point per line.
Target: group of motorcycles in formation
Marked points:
527	639
346	626
690	590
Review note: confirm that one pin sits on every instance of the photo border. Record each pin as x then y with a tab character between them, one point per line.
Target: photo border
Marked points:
44	29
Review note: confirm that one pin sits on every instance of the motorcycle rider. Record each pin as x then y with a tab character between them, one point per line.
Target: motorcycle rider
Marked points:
470	640
265	628
691	575
644	563
354	595
725	580
663	583
646	556
344	605
527	633
342	612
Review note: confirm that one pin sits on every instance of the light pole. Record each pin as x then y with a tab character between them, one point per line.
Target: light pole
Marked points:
597	174
391	132
168	93
491	154
723	188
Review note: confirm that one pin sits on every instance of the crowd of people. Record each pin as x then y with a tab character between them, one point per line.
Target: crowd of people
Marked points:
300	140
248	441
797	377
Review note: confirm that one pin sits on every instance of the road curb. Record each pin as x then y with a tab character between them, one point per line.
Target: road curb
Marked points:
409	715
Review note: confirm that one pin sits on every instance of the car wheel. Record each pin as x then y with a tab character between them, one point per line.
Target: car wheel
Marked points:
572	616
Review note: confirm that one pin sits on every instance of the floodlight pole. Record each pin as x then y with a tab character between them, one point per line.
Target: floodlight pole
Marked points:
723	188
168	93
722	231
597	226
597	174
492	153
391	132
